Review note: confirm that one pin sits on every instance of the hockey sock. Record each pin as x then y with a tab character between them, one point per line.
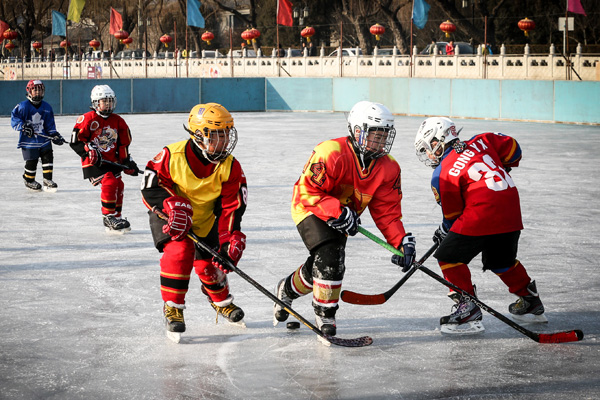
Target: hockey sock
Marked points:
515	277
175	267
458	274
214	281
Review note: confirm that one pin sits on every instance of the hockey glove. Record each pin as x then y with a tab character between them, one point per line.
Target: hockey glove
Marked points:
439	234
132	168
27	129
180	214
93	155
57	139
410	253
347	222
232	247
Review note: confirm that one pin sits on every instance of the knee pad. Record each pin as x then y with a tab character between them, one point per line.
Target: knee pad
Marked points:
329	260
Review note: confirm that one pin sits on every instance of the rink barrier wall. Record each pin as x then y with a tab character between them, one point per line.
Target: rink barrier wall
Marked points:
546	101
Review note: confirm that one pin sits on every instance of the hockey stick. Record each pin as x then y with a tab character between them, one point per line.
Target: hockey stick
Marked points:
124	167
375	299
557	337
358	342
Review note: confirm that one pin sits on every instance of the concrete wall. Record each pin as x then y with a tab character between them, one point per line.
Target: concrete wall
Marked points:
549	101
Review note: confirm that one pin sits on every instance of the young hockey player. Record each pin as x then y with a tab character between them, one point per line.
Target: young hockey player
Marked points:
202	188
481	214
34	119
341	179
102	138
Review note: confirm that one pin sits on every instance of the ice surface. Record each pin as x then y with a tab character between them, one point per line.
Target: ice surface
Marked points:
82	309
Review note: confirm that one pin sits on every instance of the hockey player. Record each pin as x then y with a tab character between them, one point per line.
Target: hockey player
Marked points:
34	119
102	138
341	179
202	188
481	214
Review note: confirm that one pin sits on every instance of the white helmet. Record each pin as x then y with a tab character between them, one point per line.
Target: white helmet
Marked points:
100	92
439	129
365	117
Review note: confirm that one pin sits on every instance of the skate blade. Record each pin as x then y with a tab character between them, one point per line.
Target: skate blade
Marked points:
323	341
50	190
468	328
174	336
34	190
530	318
240	324
117	231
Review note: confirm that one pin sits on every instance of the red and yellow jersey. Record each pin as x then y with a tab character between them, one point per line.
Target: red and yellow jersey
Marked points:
477	195
110	135
214	190
333	178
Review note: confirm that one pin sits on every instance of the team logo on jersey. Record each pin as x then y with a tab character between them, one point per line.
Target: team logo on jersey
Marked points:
158	158
435	194
80	119
94	125
107	139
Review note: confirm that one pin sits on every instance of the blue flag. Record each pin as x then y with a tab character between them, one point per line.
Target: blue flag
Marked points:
420	11
59	24
194	16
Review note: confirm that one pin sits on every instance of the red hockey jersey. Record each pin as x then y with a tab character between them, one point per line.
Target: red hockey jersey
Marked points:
333	178
477	195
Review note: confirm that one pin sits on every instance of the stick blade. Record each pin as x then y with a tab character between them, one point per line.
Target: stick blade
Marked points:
358	342
561	337
351	297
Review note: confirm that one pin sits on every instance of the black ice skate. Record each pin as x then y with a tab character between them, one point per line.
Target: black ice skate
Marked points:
50	186
464	320
116	224
231	313
34	186
528	309
279	314
327	326
174	321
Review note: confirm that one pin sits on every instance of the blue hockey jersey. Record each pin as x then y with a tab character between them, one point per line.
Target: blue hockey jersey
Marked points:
42	119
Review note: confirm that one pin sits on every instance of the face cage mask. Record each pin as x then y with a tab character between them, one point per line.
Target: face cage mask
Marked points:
383	147
36	99
204	143
112	104
424	149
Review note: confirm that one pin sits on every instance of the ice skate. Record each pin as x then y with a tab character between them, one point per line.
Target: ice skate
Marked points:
464	320
34	186
116	225
174	321
279	314
50	186
232	313
528	309
327	326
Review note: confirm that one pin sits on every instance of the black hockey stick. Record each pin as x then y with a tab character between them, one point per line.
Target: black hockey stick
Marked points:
557	337
124	167
375	299
358	342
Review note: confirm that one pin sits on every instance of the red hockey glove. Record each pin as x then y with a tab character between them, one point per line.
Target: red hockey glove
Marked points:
232	247
93	154
132	168
180	214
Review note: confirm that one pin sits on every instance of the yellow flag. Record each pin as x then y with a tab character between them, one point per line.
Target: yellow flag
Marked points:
75	9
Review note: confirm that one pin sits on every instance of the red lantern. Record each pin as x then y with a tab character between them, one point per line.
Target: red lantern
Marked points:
65	44
166	39
255	34
307	33
94	44
127	41
526	25
248	35
36	45
120	35
9	34
377	30
207	37
447	27
10	46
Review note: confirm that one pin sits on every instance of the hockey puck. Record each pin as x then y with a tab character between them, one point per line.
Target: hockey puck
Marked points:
293	325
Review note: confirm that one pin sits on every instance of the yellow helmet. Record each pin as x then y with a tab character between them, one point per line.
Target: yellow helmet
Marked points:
212	129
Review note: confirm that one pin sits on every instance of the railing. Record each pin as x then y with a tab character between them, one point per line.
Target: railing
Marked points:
550	66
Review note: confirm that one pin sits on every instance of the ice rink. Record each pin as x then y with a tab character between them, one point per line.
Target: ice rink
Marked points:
82	309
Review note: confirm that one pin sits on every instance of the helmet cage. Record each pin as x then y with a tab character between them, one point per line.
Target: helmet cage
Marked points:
432	137
105	93
216	144
373	141
31	86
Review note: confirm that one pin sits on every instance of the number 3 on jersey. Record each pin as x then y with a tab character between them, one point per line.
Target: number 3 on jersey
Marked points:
495	178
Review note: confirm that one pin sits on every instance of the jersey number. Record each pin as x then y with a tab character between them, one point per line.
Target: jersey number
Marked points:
496	180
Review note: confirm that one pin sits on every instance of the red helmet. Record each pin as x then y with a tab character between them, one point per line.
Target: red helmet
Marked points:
35	84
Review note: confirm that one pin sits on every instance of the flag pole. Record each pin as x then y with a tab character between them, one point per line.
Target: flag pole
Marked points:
566	44
411	38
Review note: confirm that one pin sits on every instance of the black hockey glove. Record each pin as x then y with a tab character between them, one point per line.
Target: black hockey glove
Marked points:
132	168
27	129
408	248
347	222
440	234
57	139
